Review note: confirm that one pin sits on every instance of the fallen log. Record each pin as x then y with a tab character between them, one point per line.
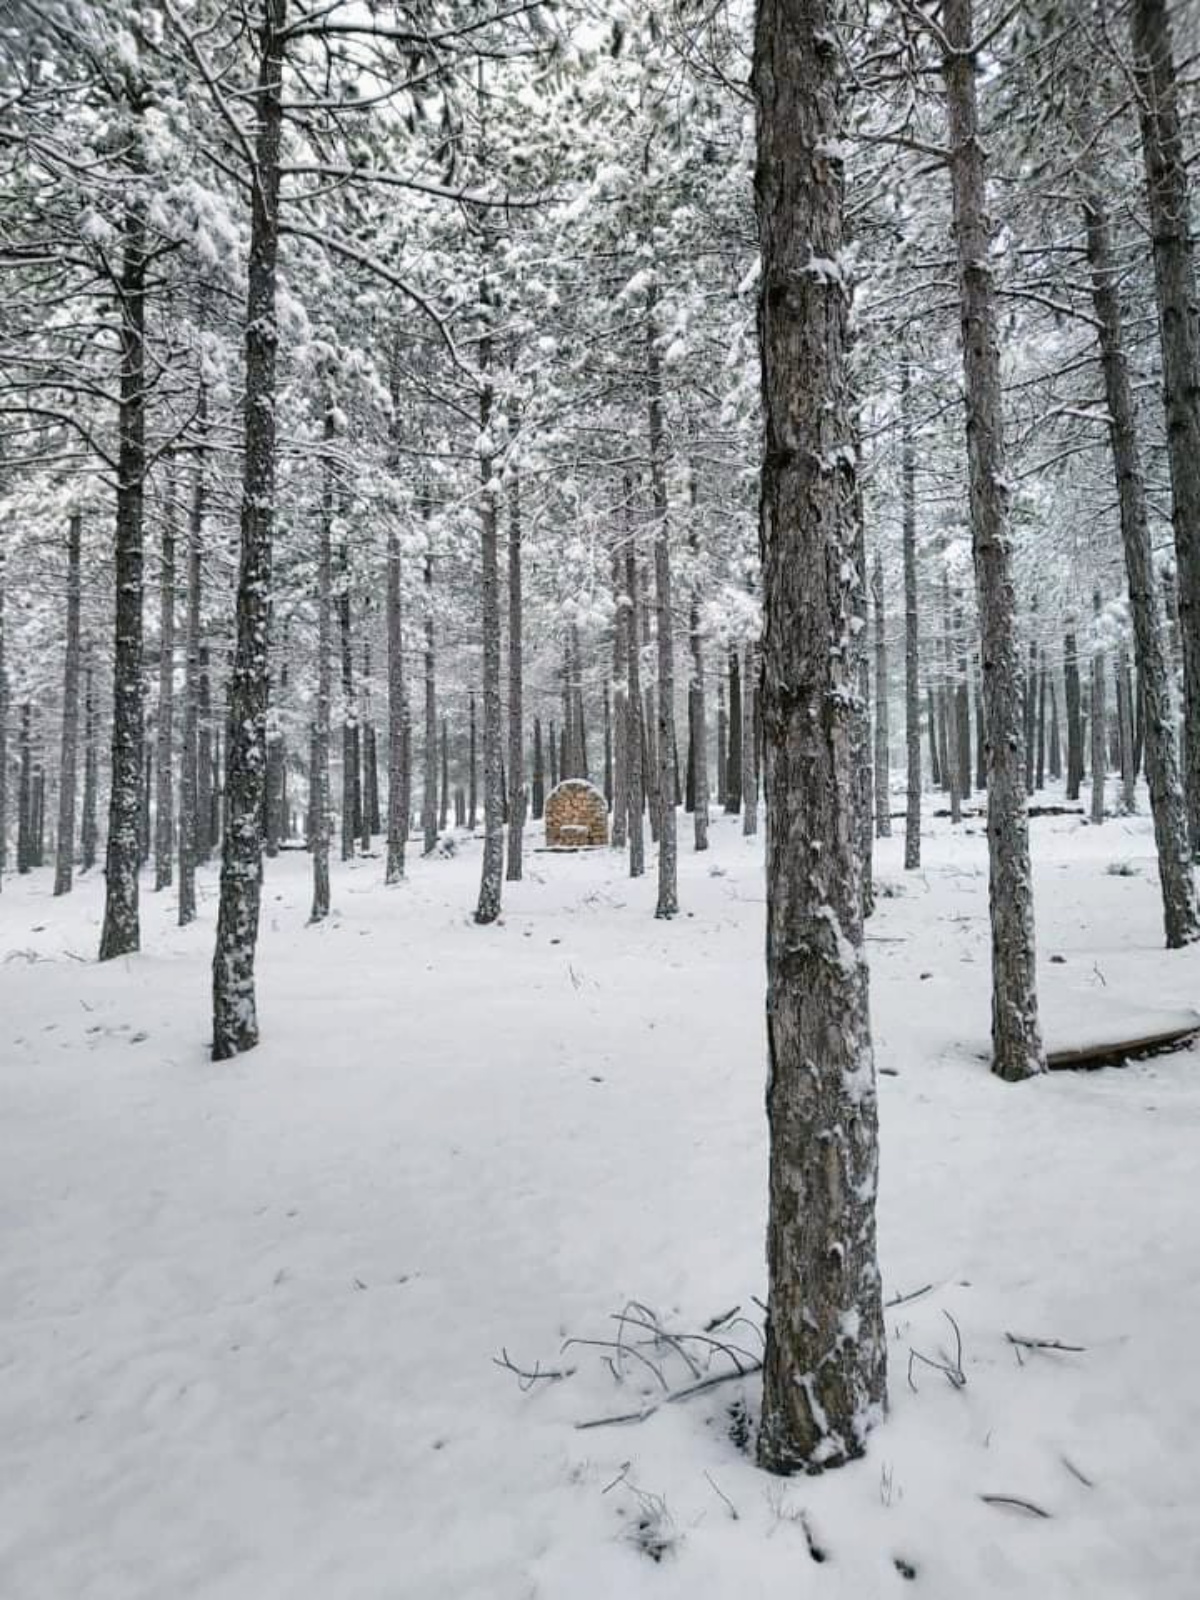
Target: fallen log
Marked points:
1112	1052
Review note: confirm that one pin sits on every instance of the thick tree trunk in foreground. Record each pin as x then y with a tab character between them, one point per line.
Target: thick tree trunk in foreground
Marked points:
235	1012
1165	158
912	641
121	932
4	734
825	1361
65	850
1016	1036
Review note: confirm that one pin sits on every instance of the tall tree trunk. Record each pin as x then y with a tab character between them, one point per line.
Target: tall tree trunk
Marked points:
517	792
121	933
351	793
235	1012
1165	160
444	801
620	672
749	778
1054	755
1125	731
539	771
883	779
1181	913
912	642
189	779
65	845
937	774
1016	1036
824	1367
1099	719
722	740
668	876
633	739
397	812
1074	709
25	820
206	835
698	687
733	779
320	796
4	733
492	865
554	757
91	762
164	781
1040	775
962	696
429	805
951	699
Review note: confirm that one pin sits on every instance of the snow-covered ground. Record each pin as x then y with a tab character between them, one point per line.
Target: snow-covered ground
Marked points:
248	1312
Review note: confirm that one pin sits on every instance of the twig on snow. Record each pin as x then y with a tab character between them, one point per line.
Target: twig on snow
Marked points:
1016	1502
527	1379
733	1510
1044	1344
903	1299
671	1398
1075	1472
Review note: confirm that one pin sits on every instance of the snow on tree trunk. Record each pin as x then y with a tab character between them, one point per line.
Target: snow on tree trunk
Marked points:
189	777
733	779
953	782
235	1012
25	790
4	734
350	783
1016	1036
517	792
65	850
883	780
320	799
397	813
1165	159
1099	718
121	932
1074	708
912	641
1181	913
698	686
164	783
620	676
668	884
634	741
825	1360
492	866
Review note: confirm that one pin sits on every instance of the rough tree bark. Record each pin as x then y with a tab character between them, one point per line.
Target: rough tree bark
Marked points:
64	859
1181	913
320	797
912	642
3	734
698	687
825	1360
397	811
1074	709
164	780
1165	158
492	866
668	875
235	1011
634	742
1099	717
620	672
1016	1036
121	934
733	771
883	780
189	777
517	792
429	804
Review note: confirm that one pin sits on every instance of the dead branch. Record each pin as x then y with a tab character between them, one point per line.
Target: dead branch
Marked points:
525	1378
903	1299
675	1395
1016	1502
1044	1344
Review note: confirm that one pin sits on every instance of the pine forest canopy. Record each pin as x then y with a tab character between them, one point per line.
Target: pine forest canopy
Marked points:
788	411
